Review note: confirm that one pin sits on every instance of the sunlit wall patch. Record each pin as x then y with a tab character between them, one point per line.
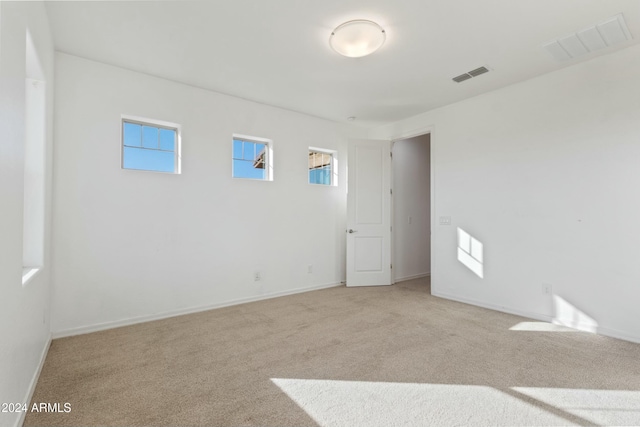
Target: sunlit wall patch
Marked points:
567	314
470	252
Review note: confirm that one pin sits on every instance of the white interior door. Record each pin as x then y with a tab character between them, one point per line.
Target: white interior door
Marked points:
369	213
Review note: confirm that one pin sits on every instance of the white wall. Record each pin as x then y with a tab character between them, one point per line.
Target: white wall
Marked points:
545	174
132	245
24	311
411	199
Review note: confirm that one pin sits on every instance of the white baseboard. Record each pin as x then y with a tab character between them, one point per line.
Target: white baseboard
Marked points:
613	333
34	381
495	307
607	332
415	276
180	312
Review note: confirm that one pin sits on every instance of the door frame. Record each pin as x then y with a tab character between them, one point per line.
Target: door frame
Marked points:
399	137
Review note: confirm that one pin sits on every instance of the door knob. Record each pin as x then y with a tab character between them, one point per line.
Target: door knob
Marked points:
350	231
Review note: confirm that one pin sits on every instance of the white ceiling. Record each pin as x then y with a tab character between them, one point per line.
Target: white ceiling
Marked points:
277	52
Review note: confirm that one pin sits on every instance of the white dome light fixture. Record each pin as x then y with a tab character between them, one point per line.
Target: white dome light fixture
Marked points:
357	38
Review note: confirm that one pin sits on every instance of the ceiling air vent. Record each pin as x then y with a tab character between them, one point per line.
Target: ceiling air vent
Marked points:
605	34
462	77
478	71
470	74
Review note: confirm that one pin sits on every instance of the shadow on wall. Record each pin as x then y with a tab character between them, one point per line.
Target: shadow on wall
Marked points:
565	314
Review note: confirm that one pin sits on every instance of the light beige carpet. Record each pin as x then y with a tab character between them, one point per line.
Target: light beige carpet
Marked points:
342	357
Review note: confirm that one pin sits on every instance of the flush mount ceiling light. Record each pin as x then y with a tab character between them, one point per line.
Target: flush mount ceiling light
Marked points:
357	38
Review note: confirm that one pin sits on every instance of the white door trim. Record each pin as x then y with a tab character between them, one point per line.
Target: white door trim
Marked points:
432	181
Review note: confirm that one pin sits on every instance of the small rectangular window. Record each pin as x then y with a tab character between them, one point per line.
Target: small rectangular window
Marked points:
150	145
252	158
322	167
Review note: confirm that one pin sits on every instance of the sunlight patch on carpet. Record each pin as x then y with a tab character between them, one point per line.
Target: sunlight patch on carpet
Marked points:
602	407
361	403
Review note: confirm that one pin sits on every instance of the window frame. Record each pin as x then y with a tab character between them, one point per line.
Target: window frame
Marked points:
159	124
334	166
268	161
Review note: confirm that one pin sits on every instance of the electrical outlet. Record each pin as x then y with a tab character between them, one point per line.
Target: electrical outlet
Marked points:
309	269
547	289
409	220
445	220
256	276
